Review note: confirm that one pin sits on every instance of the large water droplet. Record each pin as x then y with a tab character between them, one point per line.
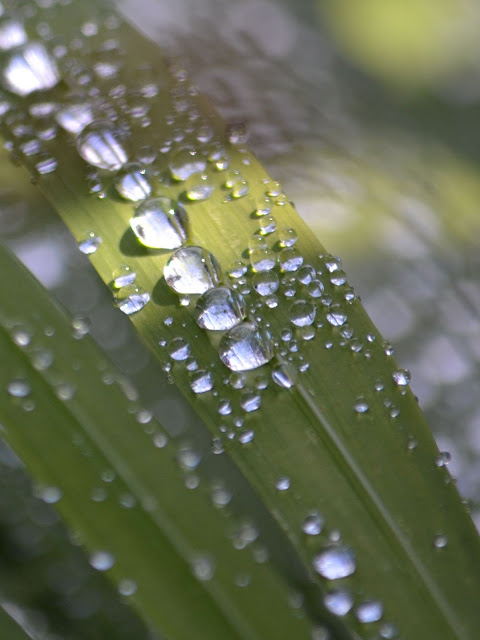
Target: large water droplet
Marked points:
178	349
290	259
335	563
369	611
131	299
265	282
30	68
219	309
131	182
262	259
101	560
302	313
12	34
338	602
100	145
160	223
19	388
186	162
123	276
192	270
245	347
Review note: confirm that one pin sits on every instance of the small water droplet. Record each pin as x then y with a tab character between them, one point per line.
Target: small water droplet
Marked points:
46	164
315	288
127	587
29	68
201	381
12	34
237	269
339	602
131	182
360	405
250	401
188	458
131	299
245	347
284	375
287	237
160	223
313	524
283	484
401	377
443	458
178	349
265	282
267	225
101	560
237	132
198	188
123	276
219	309
203	568
369	611
335	562
338	278
440	541
246	436
99	144
192	270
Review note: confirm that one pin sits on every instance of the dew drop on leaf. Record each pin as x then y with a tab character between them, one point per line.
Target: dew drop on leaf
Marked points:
100	144
123	276
185	162
339	602
360	405
369	611
335	562
160	223
178	349
201	381
29	68
192	270
313	524
101	560
131	182
19	388
401	377
219	309
89	243
302	313
246	347
131	299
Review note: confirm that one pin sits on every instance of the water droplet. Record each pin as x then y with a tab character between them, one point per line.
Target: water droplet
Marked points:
131	299
246	347
360	405
178	349
50	495
250	401
237	269
443	458
185	162
237	132
388	631
306	274
335	562
123	276
388	349
440	541
336	316
267	225
74	115
262	260
290	259
313	524
100	145
339	602
203	568
265	282
101	560
201	381
338	278
197	188
219	309
401	377
29	68
131	183
283	484
12	34
284	375
315	288
188	458
192	270
246	436
287	237
224	408
302	313
90	243
160	223
369	611
46	164
127	587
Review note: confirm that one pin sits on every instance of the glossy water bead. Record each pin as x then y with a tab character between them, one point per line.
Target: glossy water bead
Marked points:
100	145
160	223
246	347
192	270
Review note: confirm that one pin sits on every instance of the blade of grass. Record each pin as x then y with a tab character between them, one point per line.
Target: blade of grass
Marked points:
373	475
10	628
74	429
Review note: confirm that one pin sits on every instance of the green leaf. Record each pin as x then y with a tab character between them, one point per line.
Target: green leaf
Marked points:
119	483
352	443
